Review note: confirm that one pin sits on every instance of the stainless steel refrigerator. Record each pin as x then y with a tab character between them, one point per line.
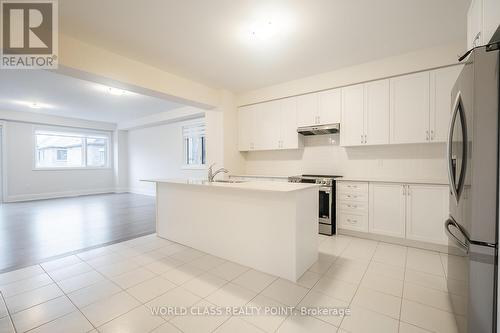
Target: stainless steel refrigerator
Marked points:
472	226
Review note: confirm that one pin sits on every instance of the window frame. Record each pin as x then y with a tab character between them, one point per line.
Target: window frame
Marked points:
185	165
83	133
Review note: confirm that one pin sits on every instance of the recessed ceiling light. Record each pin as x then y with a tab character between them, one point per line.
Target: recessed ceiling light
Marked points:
116	92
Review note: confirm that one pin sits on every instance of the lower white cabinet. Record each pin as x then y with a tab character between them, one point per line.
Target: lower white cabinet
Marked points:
387	209
426	210
410	211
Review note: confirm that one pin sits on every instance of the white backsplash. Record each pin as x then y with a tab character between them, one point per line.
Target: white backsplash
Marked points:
323	155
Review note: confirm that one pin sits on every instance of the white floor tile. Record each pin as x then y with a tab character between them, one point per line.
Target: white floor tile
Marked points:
427	317
378	302
426	280
302	324
6	325
105	259
163	265
383	284
254	280
25	285
33	297
390	254
138	320
336	288
321	266
199	323
150	289
42	313
231	295
80	281
407	328
187	255
435	298
314	300
424	261
285	292
60	263
309	279
166	328
94	293
3	308
389	271
118	268
204	284
229	270
182	274
207	262
178	297
268	322
348	273
69	271
73	322
20	274
109	308
234	325
362	320
133	277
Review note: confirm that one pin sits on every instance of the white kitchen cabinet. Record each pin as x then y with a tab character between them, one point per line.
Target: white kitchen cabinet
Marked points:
352	205
483	18
365	114
329	107
441	85
289	138
427	209
409	108
387	209
268	126
246	124
352	130
376	103
307	109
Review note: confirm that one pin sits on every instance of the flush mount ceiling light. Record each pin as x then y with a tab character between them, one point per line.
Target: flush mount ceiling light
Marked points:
115	91
33	105
262	30
268	25
111	90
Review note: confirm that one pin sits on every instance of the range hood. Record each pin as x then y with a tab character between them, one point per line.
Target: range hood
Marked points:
319	129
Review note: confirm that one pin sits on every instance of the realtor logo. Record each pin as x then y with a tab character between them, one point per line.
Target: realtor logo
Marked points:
29	37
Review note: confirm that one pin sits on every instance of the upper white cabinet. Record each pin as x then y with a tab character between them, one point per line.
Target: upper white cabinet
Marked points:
352	131
307	109
330	106
409	108
365	114
441	84
483	19
427	209
377	112
268	126
319	108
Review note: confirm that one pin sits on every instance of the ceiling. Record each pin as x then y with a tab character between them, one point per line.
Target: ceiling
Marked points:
70	97
209	41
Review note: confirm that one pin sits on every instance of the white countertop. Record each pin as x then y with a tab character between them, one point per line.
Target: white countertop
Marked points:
260	176
438	181
250	185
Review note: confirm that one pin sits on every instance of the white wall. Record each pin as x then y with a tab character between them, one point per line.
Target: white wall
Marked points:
156	152
321	156
24	183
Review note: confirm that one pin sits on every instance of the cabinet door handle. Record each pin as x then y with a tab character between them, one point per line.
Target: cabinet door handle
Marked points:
432	135
427	135
366	139
361	138
403	187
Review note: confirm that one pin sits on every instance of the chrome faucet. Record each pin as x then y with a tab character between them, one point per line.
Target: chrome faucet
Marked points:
212	174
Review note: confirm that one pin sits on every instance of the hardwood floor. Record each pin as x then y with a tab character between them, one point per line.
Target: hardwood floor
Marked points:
34	231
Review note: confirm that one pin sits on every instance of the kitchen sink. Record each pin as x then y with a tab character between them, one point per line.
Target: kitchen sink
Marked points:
228	181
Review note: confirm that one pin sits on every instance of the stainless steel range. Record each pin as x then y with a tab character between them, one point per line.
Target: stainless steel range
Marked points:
326	214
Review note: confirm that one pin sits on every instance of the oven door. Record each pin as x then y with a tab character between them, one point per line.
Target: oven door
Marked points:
325	205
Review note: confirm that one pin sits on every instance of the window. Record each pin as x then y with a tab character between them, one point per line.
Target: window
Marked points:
55	149
194	142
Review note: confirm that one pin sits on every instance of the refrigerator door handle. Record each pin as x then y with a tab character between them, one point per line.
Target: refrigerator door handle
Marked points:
458	114
464	245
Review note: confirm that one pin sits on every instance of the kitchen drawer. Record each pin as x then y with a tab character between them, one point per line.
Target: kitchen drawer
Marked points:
353	196
352	187
357	222
352	207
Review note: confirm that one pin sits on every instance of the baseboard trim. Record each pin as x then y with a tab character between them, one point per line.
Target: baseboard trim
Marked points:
55	195
395	240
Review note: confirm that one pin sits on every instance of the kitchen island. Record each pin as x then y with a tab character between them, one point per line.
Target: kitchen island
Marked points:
268	226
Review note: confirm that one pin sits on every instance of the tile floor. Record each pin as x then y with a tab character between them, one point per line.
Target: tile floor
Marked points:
388	288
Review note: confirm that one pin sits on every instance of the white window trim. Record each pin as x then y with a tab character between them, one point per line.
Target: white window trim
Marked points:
78	132
193	166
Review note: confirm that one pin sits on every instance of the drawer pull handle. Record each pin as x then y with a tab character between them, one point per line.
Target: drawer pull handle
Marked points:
352	221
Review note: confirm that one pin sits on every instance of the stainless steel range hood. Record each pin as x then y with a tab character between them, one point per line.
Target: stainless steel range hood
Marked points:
319	129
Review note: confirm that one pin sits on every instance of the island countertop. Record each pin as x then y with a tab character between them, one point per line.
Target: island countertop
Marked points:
250	185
